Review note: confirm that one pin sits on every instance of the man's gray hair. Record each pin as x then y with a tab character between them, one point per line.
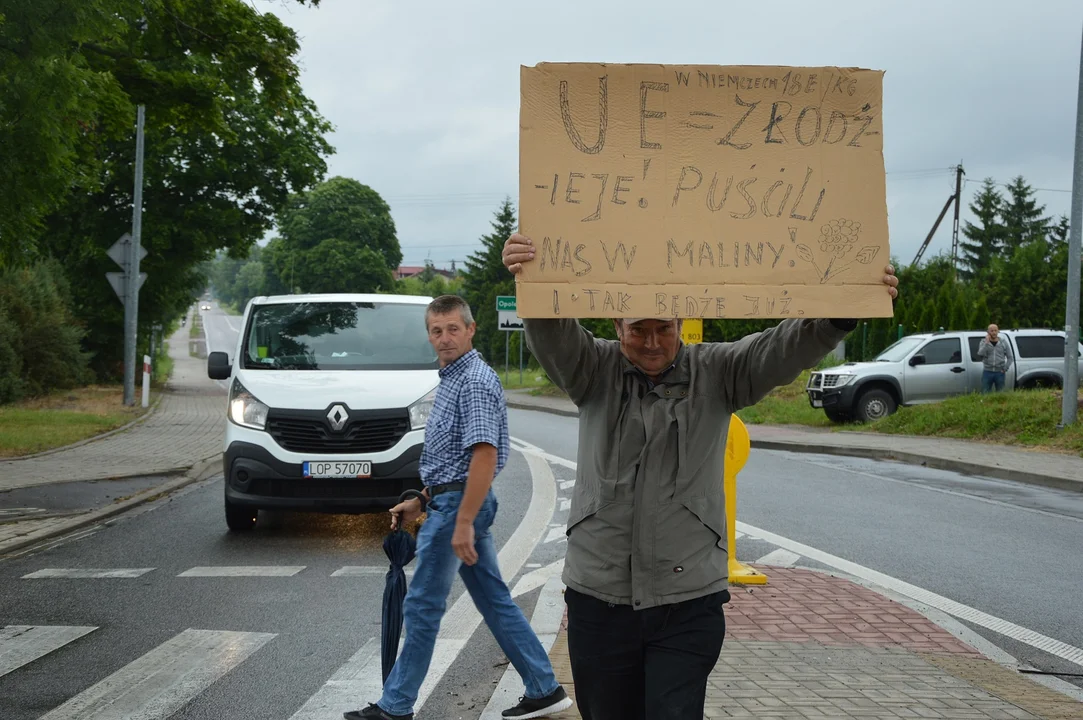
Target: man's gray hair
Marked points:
449	303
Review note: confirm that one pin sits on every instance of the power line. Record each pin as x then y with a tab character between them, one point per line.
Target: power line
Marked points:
1005	185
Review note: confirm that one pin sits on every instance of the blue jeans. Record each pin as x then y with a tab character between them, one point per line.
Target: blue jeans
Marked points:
426	602
991	380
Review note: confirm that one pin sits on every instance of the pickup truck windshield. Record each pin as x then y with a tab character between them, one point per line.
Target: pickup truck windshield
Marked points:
338	336
899	351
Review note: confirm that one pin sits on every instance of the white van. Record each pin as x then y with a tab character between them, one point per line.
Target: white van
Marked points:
328	398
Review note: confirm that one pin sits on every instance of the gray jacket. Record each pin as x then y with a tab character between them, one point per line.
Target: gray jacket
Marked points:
647	524
995	358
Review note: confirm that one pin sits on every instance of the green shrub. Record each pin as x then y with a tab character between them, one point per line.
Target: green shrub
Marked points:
40	331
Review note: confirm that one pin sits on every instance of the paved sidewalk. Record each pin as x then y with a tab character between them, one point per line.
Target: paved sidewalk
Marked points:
186	427
1050	469
182	435
812	645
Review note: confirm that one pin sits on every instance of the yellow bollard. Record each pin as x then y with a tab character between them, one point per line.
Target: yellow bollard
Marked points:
738	447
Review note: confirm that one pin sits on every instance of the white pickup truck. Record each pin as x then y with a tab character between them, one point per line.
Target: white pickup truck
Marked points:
930	367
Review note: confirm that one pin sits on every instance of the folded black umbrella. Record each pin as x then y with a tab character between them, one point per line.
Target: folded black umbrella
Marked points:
399	546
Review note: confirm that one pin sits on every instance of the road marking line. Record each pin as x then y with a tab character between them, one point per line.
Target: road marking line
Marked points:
556	460
352	687
548	614
367	570
244	571
555	534
779	558
167	678
87	573
537	578
964	612
23	644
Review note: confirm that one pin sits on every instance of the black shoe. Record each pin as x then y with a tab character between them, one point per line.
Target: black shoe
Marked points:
375	712
541	707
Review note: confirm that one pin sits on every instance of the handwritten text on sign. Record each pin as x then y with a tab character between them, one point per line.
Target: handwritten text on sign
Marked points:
690	191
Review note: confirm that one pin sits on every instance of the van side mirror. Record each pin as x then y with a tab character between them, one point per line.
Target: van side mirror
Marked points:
918	359
218	367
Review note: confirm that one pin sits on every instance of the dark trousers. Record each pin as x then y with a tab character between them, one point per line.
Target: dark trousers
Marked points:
648	664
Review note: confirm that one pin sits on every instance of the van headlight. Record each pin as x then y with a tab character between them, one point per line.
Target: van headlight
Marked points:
420	411
245	409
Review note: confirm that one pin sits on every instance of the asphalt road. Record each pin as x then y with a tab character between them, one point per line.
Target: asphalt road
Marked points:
1007	549
283	644
278	636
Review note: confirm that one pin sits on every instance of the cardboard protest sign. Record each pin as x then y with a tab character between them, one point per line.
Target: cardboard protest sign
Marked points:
702	191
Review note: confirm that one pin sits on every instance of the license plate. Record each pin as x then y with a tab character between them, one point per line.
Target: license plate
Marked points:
817	403
332	469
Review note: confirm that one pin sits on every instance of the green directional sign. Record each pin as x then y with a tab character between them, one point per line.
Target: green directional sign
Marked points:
505	303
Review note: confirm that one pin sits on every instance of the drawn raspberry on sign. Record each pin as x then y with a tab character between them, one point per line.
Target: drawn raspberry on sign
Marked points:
837	237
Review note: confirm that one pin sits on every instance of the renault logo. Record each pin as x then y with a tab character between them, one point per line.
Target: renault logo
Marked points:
338	417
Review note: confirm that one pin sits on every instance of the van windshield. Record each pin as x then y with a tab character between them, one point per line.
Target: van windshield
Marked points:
339	336
898	351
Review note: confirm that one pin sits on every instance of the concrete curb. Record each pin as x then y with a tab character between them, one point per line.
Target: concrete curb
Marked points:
194	473
86	441
936	463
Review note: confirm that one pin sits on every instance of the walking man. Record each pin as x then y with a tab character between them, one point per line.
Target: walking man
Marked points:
646	565
996	358
466	446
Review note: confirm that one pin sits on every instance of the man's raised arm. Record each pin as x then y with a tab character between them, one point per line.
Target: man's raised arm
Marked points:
566	350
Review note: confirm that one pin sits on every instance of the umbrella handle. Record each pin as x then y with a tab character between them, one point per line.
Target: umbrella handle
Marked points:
416	494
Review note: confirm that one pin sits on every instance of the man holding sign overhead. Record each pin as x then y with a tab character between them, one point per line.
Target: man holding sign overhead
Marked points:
729	222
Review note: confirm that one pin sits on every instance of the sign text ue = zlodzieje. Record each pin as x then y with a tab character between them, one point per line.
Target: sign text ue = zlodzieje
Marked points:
702	192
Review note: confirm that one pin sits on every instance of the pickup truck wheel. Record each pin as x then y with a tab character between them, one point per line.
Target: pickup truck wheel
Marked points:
240	518
874	404
836	416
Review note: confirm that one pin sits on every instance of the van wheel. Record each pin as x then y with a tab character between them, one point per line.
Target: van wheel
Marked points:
240	518
874	404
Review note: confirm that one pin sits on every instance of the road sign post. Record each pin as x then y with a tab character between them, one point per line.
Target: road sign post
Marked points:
127	252
508	321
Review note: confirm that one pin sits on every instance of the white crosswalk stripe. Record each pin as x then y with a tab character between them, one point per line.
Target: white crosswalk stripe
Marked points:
87	573
23	644
244	571
164	680
356	684
367	571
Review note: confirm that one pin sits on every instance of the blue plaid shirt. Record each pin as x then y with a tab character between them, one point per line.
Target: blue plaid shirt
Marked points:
469	409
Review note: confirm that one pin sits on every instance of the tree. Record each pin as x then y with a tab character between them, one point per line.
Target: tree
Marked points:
229	136
485	277
71	74
338	237
985	240
1022	216
336	266
344	209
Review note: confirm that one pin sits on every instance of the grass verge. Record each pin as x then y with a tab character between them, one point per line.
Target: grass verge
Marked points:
1021	417
62	418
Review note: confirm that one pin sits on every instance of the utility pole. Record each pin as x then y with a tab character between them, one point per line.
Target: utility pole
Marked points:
1069	403
955	225
133	280
959	172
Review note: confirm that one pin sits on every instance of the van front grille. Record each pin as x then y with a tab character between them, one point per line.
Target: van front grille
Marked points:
312	433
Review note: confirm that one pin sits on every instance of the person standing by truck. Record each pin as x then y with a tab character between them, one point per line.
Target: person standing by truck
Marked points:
996	358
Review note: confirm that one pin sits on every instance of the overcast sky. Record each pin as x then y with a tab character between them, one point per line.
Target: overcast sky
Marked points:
424	95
